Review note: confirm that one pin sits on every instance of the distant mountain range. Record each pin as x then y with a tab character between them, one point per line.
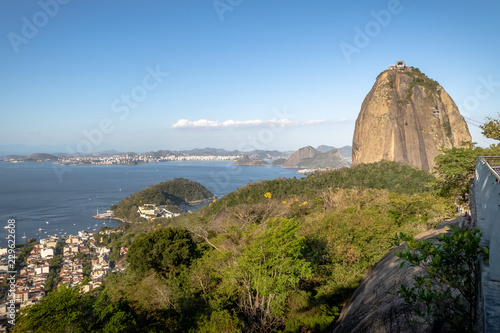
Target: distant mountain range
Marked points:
254	154
26	152
325	157
37	157
345	151
310	158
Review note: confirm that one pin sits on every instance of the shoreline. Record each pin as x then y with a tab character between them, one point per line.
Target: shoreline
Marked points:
201	201
99	217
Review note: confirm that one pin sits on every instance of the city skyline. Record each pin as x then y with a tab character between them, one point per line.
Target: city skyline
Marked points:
87	77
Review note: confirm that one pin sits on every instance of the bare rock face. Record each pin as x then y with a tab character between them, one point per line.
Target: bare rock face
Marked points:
294	159
376	307
407	117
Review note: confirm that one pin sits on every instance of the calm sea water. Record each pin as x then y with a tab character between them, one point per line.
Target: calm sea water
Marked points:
68	196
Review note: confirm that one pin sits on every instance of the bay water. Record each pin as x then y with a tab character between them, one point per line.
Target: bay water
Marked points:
62	199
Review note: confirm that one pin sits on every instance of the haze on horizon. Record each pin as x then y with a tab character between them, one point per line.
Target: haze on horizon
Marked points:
88	76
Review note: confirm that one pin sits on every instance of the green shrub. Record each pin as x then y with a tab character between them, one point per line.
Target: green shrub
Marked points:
163	251
447	291
221	321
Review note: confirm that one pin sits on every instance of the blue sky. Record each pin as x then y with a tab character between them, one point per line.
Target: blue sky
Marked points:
137	75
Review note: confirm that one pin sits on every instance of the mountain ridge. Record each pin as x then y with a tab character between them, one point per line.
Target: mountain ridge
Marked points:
310	158
254	154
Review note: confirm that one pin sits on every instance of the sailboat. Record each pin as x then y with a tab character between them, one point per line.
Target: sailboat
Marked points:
24	235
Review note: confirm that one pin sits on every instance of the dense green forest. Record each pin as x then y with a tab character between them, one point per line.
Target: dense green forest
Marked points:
279	255
174	194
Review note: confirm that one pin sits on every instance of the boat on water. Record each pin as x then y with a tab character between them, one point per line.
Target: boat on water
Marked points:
40	229
24	235
47	222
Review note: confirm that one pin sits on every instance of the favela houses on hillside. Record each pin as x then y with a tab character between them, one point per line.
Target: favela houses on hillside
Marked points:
81	262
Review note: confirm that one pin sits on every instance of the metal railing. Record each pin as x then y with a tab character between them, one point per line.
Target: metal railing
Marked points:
486	212
492	162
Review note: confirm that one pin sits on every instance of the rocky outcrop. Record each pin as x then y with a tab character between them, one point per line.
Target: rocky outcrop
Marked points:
407	117
310	158
294	159
376	307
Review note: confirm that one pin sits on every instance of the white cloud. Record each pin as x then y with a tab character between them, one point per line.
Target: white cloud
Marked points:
204	123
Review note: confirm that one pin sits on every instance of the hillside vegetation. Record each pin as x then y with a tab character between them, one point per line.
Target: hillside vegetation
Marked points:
279	255
391	176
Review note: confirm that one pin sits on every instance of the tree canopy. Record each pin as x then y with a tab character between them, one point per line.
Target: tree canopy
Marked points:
71	310
491	129
163	251
455	168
